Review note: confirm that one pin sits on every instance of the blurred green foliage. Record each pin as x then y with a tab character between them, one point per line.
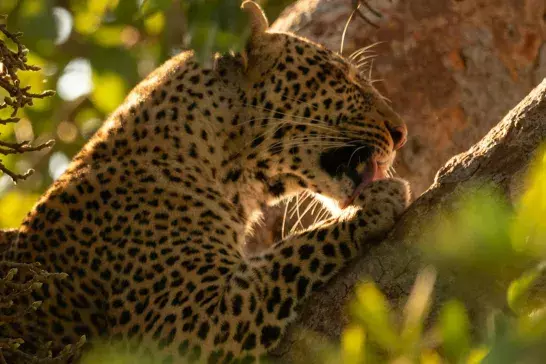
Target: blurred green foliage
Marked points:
92	52
490	247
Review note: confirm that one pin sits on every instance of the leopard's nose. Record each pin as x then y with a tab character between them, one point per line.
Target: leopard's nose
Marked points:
396	126
399	135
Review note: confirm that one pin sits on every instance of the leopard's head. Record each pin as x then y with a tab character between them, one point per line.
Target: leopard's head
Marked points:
315	117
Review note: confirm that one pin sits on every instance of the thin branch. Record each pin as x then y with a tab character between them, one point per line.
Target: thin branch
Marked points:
356	7
11	62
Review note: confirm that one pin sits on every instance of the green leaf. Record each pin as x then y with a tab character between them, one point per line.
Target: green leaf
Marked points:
527	293
430	357
126	11
101	6
454	327
477	355
152	7
353	344
109	91
528	230
416	310
7	5
155	23
109	36
86	22
37	23
371	308
115	60
532	327
15	206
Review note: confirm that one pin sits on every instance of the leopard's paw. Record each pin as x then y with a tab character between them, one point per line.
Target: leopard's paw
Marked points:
381	204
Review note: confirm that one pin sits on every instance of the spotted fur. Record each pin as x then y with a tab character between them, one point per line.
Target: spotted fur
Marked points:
150	218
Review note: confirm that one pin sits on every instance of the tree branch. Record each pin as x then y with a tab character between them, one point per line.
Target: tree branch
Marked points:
11	62
502	157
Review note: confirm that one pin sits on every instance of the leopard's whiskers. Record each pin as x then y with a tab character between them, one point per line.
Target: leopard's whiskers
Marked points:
283	227
311	205
363	49
346	27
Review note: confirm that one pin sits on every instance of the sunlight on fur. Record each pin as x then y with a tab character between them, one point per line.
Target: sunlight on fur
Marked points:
333	207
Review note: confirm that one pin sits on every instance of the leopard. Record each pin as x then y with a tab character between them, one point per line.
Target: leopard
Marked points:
149	220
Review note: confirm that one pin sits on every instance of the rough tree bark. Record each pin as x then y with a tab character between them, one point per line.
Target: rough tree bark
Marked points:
502	157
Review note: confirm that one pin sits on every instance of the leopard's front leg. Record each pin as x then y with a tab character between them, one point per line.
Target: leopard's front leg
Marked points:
264	293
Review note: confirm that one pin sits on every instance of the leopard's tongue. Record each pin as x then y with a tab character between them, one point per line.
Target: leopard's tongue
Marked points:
371	173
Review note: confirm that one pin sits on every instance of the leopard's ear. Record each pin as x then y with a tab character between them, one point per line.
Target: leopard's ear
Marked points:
263	48
258	20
